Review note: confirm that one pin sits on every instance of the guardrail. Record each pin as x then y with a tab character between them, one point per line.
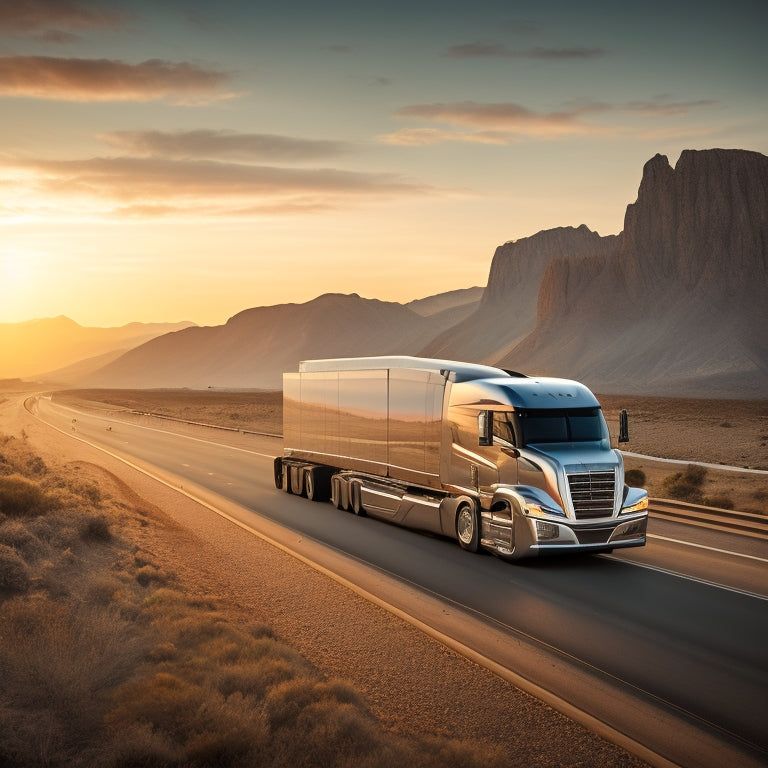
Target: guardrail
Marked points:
197	423
745	523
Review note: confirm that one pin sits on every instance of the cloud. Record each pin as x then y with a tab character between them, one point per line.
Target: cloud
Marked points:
155	186
109	80
421	137
55	20
498	51
223	145
663	108
509	118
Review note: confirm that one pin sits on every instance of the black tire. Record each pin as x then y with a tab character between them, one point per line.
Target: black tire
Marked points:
278	469
317	483
286	481
337	493
309	484
468	527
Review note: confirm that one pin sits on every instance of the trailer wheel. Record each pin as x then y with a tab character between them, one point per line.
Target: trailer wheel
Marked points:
278	473
336	498
356	500
285	482
468	527
309	484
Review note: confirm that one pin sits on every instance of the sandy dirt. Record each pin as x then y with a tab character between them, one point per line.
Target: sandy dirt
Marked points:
413	684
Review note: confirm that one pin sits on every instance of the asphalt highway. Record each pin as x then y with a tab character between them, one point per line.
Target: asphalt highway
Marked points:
677	629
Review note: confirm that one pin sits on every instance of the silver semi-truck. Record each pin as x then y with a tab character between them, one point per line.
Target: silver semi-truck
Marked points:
518	465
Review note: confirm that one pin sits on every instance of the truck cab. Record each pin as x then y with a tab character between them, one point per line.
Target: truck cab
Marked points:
537	453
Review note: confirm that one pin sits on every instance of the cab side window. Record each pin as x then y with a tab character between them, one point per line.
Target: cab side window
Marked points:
503	427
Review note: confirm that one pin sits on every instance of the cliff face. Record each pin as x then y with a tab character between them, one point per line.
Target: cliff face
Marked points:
508	308
703	224
681	305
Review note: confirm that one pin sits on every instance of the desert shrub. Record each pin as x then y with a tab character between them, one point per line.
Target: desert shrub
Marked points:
686	486
14	573
13	533
151	573
58	660
211	729
95	528
721	501
137	746
20	497
635	478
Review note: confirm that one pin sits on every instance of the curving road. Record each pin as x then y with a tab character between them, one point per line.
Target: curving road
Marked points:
667	645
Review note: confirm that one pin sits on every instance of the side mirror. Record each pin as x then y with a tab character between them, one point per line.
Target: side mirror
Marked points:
485	427
623	427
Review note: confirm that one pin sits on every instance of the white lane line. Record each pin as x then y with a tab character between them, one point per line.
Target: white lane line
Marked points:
163	431
711	549
695	580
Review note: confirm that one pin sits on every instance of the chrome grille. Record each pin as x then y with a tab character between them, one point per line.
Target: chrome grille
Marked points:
592	494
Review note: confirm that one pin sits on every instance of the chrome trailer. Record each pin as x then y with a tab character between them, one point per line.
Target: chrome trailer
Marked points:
518	465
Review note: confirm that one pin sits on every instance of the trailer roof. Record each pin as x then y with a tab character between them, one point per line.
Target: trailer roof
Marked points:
460	371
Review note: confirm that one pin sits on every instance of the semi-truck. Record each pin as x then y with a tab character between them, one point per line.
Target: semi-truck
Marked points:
518	465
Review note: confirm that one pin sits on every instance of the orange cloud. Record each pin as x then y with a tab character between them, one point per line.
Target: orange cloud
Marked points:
49	18
108	80
421	137
223	145
506	118
154	186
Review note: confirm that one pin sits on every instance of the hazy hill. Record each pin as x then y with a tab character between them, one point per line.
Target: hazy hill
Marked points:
461	302
255	346
29	349
677	304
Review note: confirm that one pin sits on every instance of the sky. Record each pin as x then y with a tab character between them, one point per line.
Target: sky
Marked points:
170	160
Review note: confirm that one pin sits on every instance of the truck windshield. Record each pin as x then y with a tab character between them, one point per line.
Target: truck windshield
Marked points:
572	425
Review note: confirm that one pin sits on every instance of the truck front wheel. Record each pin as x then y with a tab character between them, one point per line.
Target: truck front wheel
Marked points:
468	527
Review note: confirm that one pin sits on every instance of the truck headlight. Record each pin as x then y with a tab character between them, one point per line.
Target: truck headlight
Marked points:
546	531
638	506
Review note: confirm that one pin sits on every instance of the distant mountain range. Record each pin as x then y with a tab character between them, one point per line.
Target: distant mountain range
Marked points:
677	304
31	348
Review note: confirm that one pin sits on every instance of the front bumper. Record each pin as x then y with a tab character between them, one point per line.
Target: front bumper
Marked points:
524	536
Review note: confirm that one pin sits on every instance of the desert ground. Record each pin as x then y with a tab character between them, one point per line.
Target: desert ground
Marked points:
727	432
140	630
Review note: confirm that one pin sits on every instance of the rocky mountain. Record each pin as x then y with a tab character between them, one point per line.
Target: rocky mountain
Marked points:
29	349
255	346
507	310
679	303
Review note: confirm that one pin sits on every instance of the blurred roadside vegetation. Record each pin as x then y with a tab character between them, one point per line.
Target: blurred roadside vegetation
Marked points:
107	661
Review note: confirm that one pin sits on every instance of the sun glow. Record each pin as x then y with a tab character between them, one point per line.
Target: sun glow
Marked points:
17	282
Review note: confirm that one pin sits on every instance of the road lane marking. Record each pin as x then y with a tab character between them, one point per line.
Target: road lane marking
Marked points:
711	549
694	579
163	431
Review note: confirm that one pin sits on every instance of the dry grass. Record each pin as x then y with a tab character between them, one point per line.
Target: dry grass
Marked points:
107	660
